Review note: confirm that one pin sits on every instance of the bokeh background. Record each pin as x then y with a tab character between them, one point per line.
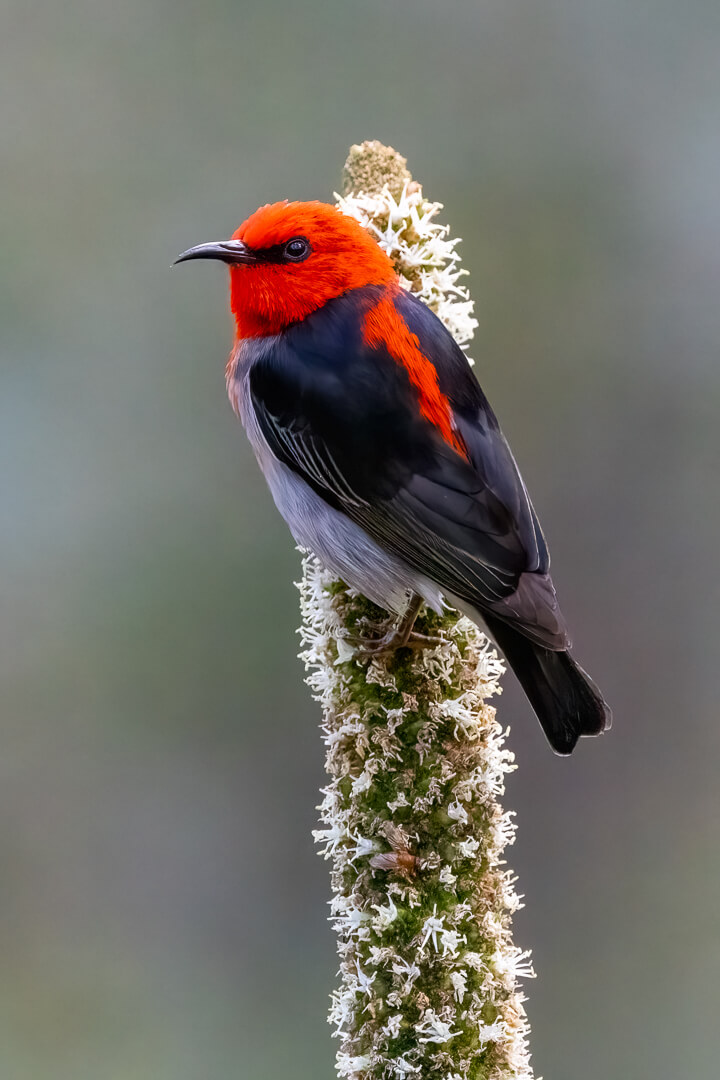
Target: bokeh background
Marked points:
162	912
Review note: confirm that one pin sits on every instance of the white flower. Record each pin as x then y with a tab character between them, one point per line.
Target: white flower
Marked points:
513	962
469	848
451	942
474	960
407	969
401	1068
491	1032
342	1009
431	928
386	916
363	846
458	812
352	919
459	984
347	1065
330	838
433	1029
364	981
363	782
392	1027
379	955
446	876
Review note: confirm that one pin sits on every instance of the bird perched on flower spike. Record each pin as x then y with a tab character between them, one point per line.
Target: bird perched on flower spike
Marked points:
382	452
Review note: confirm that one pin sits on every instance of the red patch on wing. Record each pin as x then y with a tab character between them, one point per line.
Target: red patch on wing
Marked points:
385	326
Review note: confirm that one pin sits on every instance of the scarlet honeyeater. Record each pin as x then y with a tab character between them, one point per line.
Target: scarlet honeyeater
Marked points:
382	452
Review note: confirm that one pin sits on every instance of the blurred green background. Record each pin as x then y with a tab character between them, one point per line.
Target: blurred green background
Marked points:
162	912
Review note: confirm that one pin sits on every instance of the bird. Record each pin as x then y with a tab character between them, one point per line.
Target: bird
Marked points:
382	452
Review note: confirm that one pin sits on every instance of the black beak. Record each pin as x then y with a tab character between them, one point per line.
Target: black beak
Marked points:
227	251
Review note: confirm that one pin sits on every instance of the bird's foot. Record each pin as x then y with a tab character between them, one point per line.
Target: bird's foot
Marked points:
397	637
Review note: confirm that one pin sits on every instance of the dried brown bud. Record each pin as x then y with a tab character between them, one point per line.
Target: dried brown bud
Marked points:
370	166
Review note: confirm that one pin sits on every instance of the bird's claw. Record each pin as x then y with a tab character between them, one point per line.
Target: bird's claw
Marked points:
393	639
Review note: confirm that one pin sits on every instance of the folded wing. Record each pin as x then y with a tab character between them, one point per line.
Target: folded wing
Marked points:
352	429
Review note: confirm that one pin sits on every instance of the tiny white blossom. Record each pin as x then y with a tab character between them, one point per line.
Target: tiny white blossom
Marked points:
363	782
330	838
379	955
352	919
363	846
433	1029
342	1009
491	1032
451	942
459	984
446	876
515	963
348	1065
431	928
386	915
458	812
469	848
408	970
474	960
401	1068
462	911
392	1027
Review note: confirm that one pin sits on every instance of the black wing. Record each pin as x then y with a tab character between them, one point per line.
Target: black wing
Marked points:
345	417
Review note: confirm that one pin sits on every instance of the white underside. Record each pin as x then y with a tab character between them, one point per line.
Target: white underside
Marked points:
341	546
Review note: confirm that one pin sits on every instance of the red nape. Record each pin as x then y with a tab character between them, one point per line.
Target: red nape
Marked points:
384	326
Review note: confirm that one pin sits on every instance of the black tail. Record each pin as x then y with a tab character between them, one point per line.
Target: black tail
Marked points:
566	701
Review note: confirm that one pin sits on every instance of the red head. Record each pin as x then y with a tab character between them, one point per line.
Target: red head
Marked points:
288	259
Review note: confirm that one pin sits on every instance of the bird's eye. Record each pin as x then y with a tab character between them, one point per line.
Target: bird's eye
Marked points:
297	249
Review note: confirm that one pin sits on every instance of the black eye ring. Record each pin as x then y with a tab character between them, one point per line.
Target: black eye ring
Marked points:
297	249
